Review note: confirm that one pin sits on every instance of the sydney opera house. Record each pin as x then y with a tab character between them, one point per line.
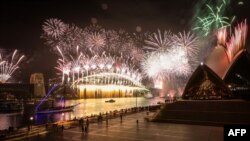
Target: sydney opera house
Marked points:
218	90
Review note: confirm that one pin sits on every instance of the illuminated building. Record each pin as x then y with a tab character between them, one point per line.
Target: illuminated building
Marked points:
38	81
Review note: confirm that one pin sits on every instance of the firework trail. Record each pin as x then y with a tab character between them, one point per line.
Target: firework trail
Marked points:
237	40
213	18
8	67
77	67
187	41
235	43
57	33
222	36
158	40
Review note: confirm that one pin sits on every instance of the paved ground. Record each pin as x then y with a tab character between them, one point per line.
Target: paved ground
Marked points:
128	130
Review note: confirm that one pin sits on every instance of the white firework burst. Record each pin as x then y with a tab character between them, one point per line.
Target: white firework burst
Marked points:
178	62
95	38
95	41
54	27
169	64
158	41
152	67
8	67
187	41
173	56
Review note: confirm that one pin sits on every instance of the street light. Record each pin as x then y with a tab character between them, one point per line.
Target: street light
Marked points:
31	120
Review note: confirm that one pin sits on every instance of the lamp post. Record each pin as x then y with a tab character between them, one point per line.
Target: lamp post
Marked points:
31	120
64	94
135	99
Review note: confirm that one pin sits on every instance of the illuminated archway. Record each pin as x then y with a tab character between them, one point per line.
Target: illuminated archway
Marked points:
104	85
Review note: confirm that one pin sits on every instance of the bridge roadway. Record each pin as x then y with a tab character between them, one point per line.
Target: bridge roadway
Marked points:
129	130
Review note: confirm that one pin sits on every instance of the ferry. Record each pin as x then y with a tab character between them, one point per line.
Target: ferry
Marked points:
110	101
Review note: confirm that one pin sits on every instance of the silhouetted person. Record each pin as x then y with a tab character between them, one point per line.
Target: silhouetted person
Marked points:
86	129
137	121
62	128
10	129
121	117
87	122
98	118
107	121
28	128
101	118
82	121
82	128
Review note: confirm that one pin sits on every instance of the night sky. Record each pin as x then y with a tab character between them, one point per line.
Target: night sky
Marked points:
21	23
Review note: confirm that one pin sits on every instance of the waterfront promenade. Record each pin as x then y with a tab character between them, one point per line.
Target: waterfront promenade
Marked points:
129	130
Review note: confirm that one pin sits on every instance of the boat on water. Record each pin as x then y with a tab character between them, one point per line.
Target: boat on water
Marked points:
57	110
11	107
110	101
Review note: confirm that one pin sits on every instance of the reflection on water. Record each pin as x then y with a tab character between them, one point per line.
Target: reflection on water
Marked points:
85	108
7	120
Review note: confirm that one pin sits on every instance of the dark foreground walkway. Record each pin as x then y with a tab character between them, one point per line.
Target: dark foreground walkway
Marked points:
128	130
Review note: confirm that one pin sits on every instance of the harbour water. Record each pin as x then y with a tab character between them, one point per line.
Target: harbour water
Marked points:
85	107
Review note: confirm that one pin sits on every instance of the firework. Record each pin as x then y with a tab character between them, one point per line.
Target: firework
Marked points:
94	28
91	40
237	40
74	37
152	67
222	36
187	41
8	67
80	69
165	65
175	59
136	53
214	19
54	27
139	38
121	41
95	50
158	40
57	33
96	41
95	38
